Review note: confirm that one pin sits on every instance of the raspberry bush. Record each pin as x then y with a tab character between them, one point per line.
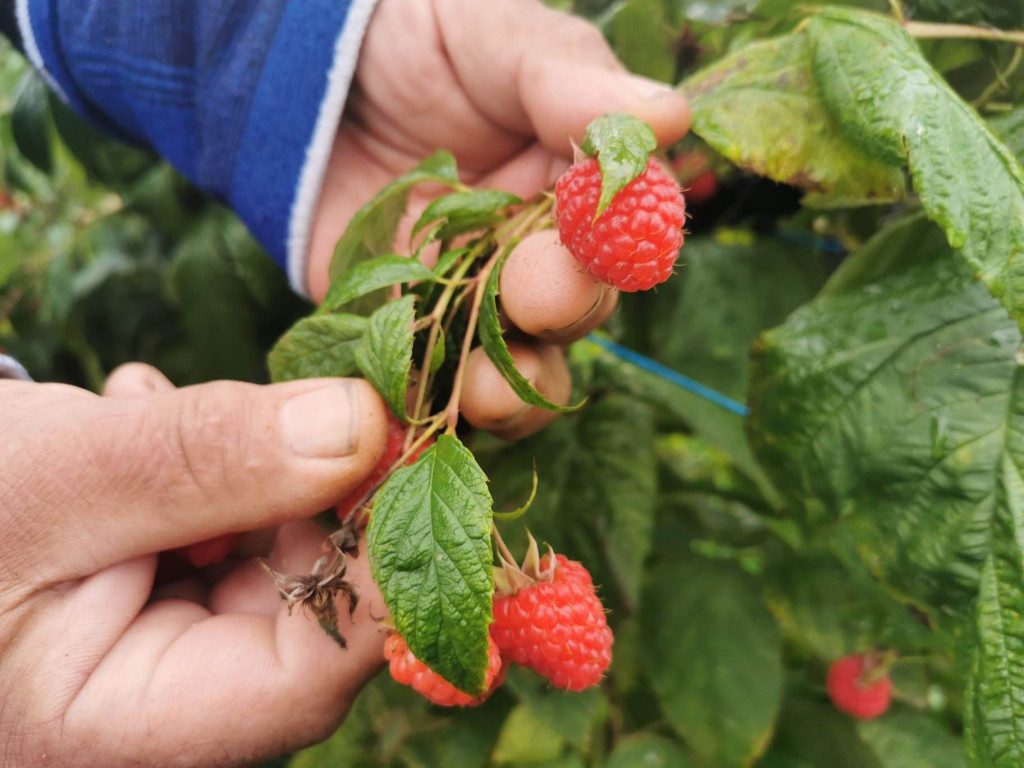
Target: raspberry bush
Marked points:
818	563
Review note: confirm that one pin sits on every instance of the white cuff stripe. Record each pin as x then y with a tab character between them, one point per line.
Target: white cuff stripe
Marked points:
339	80
28	39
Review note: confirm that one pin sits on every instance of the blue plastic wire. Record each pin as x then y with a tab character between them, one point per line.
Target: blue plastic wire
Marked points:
659	370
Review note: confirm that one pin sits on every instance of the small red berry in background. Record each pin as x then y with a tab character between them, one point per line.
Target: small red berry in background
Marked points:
702	188
635	242
392	453
696	174
408	670
548	617
855	691
211	551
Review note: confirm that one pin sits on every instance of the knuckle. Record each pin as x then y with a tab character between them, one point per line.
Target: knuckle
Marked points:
209	439
580	38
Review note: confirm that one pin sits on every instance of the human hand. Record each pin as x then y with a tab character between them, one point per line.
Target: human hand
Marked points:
95	669
504	85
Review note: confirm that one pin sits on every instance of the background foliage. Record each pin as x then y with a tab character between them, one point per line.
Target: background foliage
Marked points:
873	499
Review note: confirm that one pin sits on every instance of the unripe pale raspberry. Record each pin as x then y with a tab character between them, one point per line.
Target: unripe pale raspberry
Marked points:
408	670
635	242
853	692
557	628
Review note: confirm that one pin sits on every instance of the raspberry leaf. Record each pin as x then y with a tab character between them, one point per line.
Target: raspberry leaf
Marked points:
814	734
372	230
913	117
369	277
528	738
462	212
690	616
430	554
648	750
322	345
385	356
911	738
30	121
899	394
622	144
497	350
794	139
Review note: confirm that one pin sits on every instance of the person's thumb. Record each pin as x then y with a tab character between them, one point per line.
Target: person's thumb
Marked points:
549	74
95	481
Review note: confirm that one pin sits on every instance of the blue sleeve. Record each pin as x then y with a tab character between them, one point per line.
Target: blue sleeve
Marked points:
242	96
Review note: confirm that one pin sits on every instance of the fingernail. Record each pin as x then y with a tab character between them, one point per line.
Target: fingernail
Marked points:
324	423
648	89
157	382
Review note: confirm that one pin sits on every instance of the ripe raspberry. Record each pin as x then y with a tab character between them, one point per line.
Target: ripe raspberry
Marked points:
852	691
556	626
702	188
634	244
408	670
211	551
392	453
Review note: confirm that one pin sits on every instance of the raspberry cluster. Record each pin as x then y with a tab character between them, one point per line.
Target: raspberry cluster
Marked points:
552	623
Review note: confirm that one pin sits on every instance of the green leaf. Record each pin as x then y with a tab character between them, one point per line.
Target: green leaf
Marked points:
622	468
606	521
695	325
889	100
1007	14
527	738
220	318
371	276
385	356
318	346
647	750
994	696
573	715
30	121
720	688
813	735
622	144
465	211
893	401
761	108
643	39
1010	130
104	159
494	345
908	738
897	405
372	230
430	554
830	611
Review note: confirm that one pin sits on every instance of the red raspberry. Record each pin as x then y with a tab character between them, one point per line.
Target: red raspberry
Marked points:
851	691
556	627
392	453
634	244
211	551
408	670
702	188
